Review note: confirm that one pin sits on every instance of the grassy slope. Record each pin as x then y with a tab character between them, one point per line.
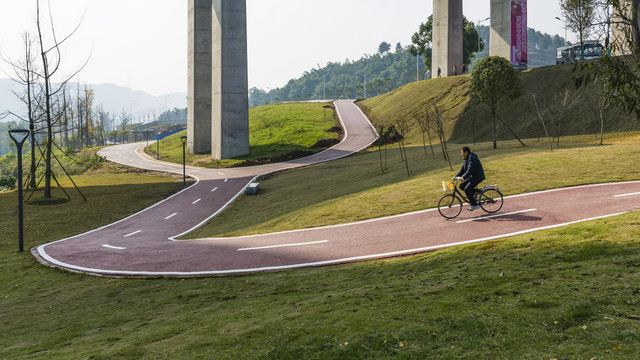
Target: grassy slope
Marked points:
275	130
453	95
354	188
563	293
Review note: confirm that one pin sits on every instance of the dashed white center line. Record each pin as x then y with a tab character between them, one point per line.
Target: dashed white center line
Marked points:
170	216
495	216
133	233
214	189
225	180
114	247
632	194
195	202
284	245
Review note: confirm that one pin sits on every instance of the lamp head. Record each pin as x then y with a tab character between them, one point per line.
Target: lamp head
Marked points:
184	139
19	135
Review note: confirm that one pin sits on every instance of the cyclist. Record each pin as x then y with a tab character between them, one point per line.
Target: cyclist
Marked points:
471	175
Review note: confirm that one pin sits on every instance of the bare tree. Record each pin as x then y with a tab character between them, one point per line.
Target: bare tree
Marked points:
439	124
597	103
124	122
563	102
25	71
403	126
424	123
51	61
580	16
541	113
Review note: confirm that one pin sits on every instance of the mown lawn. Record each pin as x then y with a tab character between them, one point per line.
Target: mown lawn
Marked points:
355	188
274	131
569	293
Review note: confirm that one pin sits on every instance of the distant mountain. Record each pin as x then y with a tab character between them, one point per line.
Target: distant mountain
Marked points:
113	98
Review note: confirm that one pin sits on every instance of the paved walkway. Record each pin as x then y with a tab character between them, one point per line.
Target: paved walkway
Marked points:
144	244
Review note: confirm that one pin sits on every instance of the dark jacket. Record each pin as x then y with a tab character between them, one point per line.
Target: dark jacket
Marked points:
472	168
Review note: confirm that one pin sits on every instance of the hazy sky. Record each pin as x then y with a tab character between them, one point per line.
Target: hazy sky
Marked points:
142	44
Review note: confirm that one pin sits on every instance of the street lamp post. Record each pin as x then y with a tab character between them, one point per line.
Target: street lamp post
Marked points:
184	162
565	31
19	136
479	22
324	86
157	147
365	86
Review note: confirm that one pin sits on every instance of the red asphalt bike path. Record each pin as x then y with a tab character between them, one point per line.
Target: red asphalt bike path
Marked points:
144	244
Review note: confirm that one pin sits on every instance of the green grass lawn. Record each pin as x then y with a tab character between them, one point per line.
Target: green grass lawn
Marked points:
274	131
571	292
565	293
354	188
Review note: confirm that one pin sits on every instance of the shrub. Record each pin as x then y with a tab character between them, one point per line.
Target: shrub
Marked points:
8	181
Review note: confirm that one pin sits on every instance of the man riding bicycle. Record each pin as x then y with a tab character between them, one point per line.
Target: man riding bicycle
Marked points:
472	174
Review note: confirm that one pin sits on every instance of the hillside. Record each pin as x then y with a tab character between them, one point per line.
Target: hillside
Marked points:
548	83
382	72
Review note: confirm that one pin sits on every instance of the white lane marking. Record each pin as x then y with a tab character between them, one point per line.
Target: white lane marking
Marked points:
284	245
195	202
214	189
170	216
114	247
225	180
632	194
133	233
51	260
495	216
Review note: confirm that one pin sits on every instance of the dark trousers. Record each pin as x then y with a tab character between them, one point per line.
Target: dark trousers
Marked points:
469	188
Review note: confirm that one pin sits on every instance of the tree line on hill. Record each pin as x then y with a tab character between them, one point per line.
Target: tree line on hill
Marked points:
387	69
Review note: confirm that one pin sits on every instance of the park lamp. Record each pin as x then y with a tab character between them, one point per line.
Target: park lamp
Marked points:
19	136
184	166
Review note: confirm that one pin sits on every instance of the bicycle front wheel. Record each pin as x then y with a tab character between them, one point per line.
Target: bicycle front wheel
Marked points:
490	200
450	206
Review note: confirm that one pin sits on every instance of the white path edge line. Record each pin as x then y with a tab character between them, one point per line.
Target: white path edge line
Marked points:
40	249
114	247
390	217
311	264
632	194
495	216
283	245
133	233
346	136
170	216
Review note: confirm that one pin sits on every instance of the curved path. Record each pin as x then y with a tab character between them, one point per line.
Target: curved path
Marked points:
143	244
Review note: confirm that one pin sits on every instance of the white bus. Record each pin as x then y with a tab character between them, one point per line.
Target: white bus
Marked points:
592	50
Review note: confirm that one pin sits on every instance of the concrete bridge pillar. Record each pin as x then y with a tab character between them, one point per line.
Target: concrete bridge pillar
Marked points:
199	77
230	102
447	38
218	115
625	23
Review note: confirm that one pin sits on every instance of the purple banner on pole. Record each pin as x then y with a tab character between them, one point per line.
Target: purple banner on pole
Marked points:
519	33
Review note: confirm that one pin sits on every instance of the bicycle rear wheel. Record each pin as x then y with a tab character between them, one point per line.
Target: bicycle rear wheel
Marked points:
450	206
490	200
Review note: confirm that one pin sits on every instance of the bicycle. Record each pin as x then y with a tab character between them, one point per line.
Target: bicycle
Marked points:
450	206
